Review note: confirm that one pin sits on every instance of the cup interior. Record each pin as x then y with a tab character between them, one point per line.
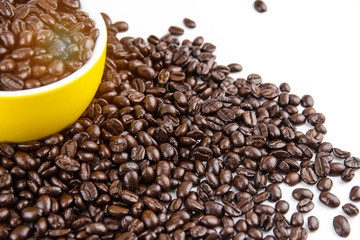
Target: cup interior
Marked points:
99	47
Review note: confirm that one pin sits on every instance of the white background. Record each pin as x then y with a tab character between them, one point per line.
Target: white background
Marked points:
314	45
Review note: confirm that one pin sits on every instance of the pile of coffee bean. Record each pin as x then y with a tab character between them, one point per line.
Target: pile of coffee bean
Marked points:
173	147
42	41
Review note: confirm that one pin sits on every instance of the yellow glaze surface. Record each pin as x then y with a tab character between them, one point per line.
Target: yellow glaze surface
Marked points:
32	117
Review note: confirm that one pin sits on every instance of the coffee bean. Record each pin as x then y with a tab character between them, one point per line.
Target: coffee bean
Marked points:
298	233
121	26
341	153
350	209
282	206
88	191
308	175
292	178
67	164
329	199
21	232
348	174
352	162
260	6
301	193
297	220
355	194
189	23
305	205
313	223
325	184
177	31
341	226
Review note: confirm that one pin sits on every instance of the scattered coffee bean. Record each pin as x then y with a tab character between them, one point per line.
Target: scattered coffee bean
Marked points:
260	6
177	31
341	226
301	193
355	194
154	128
189	23
350	209
305	205
325	184
313	223
329	199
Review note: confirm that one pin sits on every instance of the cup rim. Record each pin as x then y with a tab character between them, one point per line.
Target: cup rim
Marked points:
99	47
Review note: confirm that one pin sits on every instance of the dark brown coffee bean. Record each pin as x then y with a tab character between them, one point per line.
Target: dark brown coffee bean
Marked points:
21	232
189	23
355	194
297	220
88	191
322	166
329	199
352	162
313	223
341	226
298	233
281	233
350	209
292	178
341	153
348	174
308	175
305	205
67	164
325	184
301	193
177	31
282	206
260	6
31	214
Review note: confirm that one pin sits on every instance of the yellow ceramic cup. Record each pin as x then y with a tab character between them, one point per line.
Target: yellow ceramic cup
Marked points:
33	114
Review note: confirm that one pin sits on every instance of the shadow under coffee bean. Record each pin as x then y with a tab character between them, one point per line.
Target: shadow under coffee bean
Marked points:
168	119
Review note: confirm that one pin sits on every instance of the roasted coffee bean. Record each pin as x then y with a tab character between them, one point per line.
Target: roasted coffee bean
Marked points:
298	233
348	174
88	191
325	184
67	164
21	232
313	223
260	6
301	193
297	219
305	205
121	26
189	23
292	178
281	233
341	226
355	194
308	175
350	209
282	206
329	199
177	31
